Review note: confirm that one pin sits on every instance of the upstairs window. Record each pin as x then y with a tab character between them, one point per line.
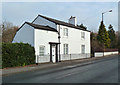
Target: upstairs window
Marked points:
65	32
42	50
65	48
83	35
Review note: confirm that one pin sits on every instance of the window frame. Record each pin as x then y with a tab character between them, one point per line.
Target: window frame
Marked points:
83	49
82	35
65	49
41	50
65	31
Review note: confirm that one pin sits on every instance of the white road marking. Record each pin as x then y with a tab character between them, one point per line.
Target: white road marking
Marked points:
67	75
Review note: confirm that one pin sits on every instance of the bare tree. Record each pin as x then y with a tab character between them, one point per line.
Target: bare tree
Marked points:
8	31
7	25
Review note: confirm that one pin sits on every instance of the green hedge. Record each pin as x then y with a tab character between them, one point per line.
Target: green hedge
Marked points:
17	54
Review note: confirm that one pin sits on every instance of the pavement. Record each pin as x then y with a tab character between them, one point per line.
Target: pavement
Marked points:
13	70
93	70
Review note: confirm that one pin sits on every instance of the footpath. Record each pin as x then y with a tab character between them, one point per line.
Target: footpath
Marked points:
13	70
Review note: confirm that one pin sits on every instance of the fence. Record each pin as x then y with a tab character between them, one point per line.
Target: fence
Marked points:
46	58
74	56
42	59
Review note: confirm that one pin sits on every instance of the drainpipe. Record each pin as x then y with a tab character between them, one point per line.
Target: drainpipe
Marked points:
70	56
59	44
36	59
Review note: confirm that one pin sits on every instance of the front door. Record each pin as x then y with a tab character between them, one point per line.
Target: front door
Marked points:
53	53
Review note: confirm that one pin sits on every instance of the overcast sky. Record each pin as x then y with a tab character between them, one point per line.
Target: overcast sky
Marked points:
88	13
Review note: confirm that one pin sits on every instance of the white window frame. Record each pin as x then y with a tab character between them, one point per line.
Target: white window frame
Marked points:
65	31
83	49
82	35
65	49
41	50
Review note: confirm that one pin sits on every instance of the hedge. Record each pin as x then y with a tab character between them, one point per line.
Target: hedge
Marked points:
17	54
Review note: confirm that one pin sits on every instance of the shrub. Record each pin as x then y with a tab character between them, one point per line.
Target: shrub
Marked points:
119	49
17	54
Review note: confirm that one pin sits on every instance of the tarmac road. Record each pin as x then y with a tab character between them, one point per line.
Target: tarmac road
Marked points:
103	70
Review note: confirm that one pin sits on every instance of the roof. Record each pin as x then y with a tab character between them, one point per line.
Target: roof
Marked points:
54	43
62	23
41	27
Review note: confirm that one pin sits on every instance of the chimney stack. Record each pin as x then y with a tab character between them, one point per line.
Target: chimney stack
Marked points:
73	20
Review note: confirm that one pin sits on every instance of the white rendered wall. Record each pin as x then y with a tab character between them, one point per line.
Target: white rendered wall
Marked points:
99	54
45	22
74	40
25	35
74	56
42	59
43	37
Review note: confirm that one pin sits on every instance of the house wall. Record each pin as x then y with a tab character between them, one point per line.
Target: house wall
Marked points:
74	37
25	35
41	21
74	41
43	37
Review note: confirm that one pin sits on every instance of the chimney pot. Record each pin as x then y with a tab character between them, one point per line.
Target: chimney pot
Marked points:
73	20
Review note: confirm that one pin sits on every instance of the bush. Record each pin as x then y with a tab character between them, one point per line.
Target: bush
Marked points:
17	54
119	49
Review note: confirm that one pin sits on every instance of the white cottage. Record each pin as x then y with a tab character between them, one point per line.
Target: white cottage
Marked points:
55	40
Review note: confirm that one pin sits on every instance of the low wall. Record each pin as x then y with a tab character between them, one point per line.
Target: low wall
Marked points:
74	56
46	58
42	59
99	54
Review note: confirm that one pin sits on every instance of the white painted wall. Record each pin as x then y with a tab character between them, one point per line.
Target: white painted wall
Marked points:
45	22
25	35
43	37
74	40
65	57
43	59
74	56
99	54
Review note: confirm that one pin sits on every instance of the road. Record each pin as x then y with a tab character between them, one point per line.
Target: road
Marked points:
104	70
